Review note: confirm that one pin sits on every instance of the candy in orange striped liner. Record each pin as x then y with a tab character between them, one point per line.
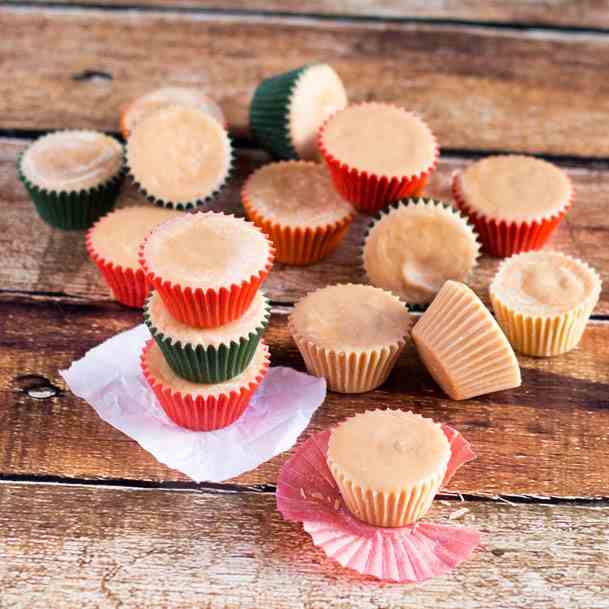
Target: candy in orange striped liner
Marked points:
296	205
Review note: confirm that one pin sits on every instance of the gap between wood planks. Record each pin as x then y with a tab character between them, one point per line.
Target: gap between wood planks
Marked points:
243	143
523	26
220	488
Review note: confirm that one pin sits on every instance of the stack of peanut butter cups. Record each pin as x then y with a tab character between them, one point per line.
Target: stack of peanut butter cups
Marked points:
206	314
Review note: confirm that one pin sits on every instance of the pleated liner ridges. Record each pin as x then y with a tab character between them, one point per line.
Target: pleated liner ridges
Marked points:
369	192
207	308
206	363
298	245
76	210
387	509
128	286
544	336
348	372
307	493
462	345
202	413
269	113
500	238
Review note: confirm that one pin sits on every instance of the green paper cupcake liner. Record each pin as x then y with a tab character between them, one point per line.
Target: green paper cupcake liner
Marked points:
207	364
77	210
269	113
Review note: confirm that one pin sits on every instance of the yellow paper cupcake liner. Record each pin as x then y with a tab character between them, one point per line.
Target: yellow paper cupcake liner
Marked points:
383	509
349	372
544	336
463	347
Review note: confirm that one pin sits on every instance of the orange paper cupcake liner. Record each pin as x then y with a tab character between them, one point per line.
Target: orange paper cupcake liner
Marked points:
209	308
503	238
128	285
298	245
200	413
369	192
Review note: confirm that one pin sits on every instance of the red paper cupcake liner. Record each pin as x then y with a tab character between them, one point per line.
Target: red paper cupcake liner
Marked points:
307	493
299	246
502	238
200	413
209	308
369	192
129	286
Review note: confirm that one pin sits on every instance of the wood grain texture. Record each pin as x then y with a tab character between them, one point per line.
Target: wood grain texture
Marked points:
38	258
479	88
569	13
547	438
67	546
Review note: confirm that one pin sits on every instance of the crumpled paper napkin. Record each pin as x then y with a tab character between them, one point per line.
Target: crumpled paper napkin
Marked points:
108	377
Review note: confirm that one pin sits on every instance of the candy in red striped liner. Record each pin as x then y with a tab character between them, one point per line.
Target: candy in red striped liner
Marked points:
503	238
203	413
366	191
208	308
307	493
128	286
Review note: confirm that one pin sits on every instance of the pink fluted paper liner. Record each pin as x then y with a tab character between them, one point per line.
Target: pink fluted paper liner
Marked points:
307	493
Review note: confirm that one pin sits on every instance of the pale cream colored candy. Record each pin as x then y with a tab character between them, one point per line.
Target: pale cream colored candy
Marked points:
117	236
350	334
317	95
179	155
165	97
388	465
543	301
414	248
463	347
380	139
207	250
70	161
296	194
514	188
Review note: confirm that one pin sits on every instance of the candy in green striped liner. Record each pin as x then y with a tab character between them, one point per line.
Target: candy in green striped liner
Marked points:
210	355
403	228
287	110
179	157
69	192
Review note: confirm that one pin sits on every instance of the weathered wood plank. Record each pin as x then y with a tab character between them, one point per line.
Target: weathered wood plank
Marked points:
547	438
37	258
479	88
569	13
63	546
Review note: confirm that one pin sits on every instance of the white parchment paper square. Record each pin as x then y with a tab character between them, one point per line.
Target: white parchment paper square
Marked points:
109	378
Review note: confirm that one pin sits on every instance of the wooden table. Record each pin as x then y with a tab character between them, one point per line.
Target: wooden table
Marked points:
88	519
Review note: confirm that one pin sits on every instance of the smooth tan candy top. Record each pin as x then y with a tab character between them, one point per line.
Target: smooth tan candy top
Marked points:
318	93
117	236
207	250
349	317
296	194
544	283
413	249
169	96
160	370
70	161
381	139
164	322
389	449
179	154
515	188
